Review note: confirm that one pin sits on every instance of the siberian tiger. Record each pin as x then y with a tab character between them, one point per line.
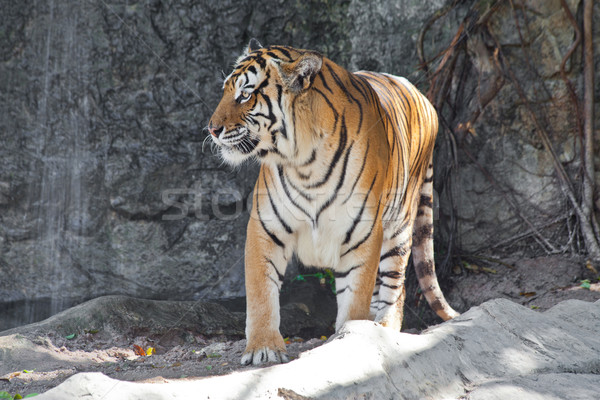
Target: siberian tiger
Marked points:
345	183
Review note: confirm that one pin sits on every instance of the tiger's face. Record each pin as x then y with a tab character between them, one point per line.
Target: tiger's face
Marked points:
251	118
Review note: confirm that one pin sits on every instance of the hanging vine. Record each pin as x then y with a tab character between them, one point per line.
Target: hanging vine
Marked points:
447	74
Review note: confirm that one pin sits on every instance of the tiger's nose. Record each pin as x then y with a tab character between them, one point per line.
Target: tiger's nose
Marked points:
215	130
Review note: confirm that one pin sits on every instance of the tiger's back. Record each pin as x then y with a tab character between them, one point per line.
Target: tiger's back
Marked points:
345	184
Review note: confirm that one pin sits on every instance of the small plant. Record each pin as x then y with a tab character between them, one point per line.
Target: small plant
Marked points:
8	396
325	278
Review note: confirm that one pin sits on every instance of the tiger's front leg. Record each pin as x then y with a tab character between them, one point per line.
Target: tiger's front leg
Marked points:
355	277
264	268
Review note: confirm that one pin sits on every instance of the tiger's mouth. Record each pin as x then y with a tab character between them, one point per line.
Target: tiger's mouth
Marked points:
237	141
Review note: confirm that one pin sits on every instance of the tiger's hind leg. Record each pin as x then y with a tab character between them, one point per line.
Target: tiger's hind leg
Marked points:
422	250
387	303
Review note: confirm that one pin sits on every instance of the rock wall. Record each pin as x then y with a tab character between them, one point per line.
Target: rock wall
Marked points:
106	186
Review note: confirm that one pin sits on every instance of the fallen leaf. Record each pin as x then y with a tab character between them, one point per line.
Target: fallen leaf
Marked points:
14	375
150	351
323	338
588	265
138	350
586	284
489	270
472	267
177	364
70	337
527	294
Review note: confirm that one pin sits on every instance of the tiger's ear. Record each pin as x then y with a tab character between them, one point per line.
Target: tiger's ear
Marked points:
299	75
253	45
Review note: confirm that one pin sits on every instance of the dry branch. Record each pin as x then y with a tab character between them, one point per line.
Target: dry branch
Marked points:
443	81
587	203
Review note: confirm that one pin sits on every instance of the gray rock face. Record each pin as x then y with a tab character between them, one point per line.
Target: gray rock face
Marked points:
106	186
499	350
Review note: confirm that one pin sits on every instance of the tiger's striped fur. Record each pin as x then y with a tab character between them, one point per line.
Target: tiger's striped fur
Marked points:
345	183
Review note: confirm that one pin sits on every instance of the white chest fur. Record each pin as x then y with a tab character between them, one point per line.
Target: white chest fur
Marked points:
319	219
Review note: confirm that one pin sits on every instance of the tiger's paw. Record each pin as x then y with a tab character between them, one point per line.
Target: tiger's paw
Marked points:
264	355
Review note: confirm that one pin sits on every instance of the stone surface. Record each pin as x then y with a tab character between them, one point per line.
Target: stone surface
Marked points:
498	350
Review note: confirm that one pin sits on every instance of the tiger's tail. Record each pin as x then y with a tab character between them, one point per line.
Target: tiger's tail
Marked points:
422	251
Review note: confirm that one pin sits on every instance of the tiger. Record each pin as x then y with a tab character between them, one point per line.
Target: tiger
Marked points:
345	183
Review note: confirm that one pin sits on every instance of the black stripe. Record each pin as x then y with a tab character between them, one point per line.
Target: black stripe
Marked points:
273	237
279	275
391	286
335	113
303	176
349	96
275	210
400	229
399	250
342	290
336	155
252	69
357	245
260	61
353	80
338	186
287	193
283	51
320	75
345	273
362	167
425	268
425	201
271	115
437	305
262	153
362	209
422	233
427	180
283	128
307	196
389	303
390	274
312	158
264	83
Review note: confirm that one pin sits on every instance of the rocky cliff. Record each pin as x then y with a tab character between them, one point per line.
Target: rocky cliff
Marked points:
106	186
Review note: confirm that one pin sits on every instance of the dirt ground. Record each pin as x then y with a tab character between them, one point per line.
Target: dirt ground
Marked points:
116	357
191	341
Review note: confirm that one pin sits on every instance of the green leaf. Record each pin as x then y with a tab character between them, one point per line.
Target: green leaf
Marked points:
17	396
31	395
586	284
28	371
70	337
209	367
5	395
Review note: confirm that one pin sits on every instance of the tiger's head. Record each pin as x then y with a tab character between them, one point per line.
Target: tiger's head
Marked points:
254	118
